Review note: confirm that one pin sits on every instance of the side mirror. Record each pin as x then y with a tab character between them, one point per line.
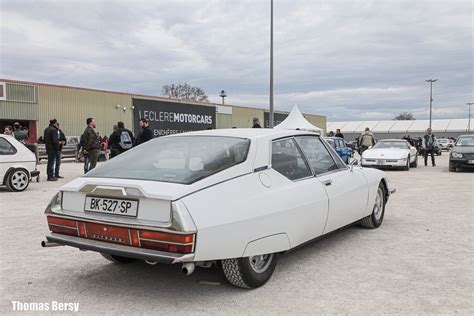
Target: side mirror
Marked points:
353	162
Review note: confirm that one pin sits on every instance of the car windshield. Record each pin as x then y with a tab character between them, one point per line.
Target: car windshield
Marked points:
465	141
390	144
183	159
330	141
443	141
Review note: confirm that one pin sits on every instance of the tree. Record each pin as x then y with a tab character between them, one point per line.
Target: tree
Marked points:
405	116
184	92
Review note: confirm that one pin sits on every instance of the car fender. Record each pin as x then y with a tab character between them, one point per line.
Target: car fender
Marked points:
268	244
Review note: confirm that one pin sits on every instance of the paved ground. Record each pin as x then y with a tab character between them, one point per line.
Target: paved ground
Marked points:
419	261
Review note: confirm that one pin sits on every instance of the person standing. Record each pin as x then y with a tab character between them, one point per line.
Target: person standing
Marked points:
8	130
90	145
20	135
429	143
331	134
256	123
51	141
113	151
121	140
145	133
339	134
62	142
366	140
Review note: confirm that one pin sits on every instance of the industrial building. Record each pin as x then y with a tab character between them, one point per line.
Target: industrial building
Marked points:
399	129
33	104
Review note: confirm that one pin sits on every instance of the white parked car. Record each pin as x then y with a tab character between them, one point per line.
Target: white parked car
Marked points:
445	144
238	197
17	164
391	153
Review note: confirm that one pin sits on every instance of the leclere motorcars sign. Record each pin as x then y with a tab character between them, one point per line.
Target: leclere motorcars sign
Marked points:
166	118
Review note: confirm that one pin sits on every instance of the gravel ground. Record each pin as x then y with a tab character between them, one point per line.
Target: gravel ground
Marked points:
419	261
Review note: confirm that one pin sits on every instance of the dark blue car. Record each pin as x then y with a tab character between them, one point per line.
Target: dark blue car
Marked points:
341	148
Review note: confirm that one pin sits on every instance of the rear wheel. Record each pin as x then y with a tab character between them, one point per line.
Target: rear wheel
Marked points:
18	180
375	219
117	259
249	272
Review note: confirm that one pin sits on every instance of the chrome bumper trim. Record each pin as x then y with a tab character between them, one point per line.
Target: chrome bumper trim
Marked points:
119	250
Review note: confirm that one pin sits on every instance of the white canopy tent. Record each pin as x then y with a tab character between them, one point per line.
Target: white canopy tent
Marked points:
296	120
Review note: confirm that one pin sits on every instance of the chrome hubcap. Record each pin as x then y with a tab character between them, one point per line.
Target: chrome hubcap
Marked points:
19	180
378	204
260	263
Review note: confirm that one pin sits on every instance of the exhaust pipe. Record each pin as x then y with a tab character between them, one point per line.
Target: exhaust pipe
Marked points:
187	268
46	243
152	263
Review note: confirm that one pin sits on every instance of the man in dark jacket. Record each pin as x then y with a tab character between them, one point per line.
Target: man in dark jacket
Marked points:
145	133
121	140
51	141
20	135
256	123
90	145
338	133
62	142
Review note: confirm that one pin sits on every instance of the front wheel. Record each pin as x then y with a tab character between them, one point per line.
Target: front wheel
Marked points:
415	163
249	272
375	219
407	167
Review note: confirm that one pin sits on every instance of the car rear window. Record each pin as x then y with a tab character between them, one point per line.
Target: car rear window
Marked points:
183	159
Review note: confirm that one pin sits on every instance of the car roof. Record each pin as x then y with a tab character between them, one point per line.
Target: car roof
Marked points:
393	140
333	137
247	133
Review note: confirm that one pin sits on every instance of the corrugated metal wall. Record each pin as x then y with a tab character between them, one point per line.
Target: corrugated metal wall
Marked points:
72	106
318	120
21	103
242	117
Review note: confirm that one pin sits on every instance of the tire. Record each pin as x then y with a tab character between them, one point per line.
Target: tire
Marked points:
117	259
18	180
452	168
407	167
415	164
249	272
375	219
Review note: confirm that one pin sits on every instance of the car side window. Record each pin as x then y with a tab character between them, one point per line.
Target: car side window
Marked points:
339	144
288	160
6	148
318	156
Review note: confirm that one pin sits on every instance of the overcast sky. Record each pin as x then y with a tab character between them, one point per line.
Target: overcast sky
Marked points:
348	60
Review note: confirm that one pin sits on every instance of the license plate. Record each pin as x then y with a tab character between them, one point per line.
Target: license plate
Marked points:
111	206
470	161
381	162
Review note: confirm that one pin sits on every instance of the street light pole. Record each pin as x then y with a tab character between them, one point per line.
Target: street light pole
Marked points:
469	118
223	95
431	95
271	121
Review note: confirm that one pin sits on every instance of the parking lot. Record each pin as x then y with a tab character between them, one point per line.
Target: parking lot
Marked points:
419	261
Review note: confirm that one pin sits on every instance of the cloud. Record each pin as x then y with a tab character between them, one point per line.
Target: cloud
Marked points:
343	59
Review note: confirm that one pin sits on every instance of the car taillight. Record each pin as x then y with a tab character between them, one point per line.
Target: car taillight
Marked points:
63	226
167	242
163	241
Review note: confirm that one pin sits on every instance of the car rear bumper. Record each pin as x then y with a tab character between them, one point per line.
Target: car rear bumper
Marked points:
118	250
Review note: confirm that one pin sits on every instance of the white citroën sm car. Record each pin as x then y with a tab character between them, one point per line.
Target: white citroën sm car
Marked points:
234	197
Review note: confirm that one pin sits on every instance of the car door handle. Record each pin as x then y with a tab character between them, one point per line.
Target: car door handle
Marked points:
327	182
